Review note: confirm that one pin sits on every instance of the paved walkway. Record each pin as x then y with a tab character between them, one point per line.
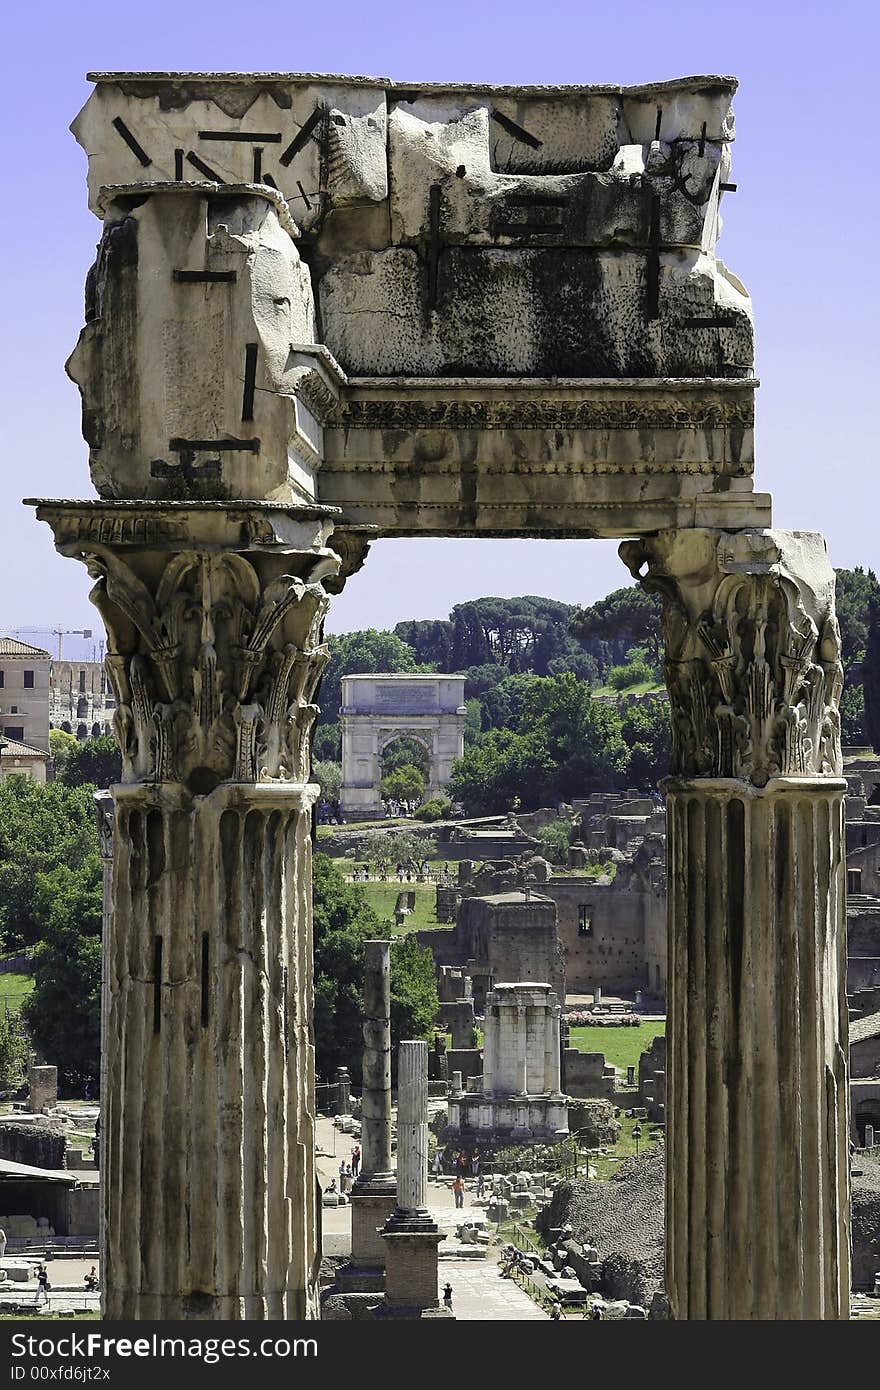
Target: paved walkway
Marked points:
479	1294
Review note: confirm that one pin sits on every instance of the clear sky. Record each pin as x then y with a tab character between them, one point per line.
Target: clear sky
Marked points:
801	233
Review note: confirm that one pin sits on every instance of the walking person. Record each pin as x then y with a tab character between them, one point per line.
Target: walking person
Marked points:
355	1160
447	1296
458	1190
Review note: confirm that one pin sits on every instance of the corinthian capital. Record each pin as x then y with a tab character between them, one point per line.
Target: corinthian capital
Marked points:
214	628
752	642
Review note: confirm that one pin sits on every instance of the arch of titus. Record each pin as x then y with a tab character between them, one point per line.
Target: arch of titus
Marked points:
376	710
330	309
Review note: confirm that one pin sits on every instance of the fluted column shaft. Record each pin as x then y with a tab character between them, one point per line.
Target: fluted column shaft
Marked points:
209	1188
214	615
412	1126
757	1157
757	1175
376	1096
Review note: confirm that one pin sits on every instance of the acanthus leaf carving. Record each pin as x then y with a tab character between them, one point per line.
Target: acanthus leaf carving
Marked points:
214	664
753	665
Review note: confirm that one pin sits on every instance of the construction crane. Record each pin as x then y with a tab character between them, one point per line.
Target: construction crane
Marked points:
60	633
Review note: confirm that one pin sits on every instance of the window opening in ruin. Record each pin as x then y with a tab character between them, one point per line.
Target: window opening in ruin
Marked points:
585	921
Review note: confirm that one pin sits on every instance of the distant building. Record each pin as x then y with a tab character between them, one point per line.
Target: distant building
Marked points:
24	694
81	701
19	759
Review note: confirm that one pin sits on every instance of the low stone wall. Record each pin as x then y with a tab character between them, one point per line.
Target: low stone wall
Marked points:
586	1074
39	1145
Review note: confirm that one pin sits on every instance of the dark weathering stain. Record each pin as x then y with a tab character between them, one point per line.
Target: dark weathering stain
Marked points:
572	335
467	513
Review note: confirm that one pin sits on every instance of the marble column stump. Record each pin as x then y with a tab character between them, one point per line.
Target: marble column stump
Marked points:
373	1195
214	615
757	1177
410	1234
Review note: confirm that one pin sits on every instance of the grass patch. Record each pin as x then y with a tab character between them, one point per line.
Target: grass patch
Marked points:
14	989
605	1165
383	896
622	1046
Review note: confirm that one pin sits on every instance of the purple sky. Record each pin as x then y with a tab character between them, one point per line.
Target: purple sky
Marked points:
801	233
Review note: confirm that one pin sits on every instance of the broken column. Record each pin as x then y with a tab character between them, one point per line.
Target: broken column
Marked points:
42	1088
757	1160
410	1234
343	1092
373	1195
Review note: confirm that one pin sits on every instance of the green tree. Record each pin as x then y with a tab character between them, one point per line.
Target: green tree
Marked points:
856	591
414	1001
63	1014
95	762
871	679
405	783
61	745
560	743
328	775
644	728
41	828
555	839
622	619
431	641
343	921
13	1053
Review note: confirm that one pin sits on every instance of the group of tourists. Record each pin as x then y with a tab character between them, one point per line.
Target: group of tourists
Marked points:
395	809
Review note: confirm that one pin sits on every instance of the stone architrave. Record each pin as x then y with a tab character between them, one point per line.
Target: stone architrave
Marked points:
376	710
757	1135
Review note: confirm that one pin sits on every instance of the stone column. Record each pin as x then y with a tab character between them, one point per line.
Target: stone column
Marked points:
410	1235
412	1129
373	1195
757	1206
105	817
214	616
343	1091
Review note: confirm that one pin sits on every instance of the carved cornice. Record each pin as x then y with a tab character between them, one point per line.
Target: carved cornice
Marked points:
547	414
753	663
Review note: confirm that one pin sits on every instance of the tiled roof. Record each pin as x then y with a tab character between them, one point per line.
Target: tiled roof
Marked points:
11	748
860	1029
10	646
